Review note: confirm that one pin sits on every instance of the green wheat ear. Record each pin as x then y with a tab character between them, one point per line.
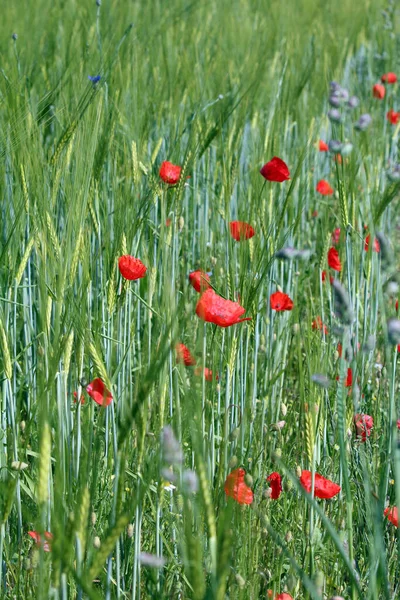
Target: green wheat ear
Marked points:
44	465
107	546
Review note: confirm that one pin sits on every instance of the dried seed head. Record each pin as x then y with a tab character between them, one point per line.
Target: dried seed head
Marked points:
96	542
129	530
284	409
22	426
93	518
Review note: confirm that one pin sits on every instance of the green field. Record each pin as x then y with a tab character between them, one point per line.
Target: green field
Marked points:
130	497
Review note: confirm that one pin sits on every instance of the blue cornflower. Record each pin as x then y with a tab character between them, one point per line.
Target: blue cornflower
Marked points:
94	78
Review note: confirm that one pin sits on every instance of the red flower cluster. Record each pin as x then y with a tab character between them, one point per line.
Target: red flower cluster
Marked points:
99	393
131	268
324	188
215	309
280	301
392	515
170	173
35	535
275	170
323	488
389	78
236	488
241	231
199	280
275	481
184	356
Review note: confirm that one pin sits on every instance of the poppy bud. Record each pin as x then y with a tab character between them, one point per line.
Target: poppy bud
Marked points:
248	479
283	409
353	102
288	537
181	223
233	462
335	116
96	542
129	530
234	434
22	426
93	518
288	485
240	581
363	122
277	454
14	36
298	471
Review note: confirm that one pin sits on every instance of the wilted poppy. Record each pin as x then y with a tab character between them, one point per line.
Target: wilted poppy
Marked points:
241	230
35	535
131	268
199	280
378	91
334	260
183	355
170	173
324	188
275	481
323	488
214	309
393	116
280	301
275	170
323	146
236	488
336	235
99	393
376	246
389	78
392	514
318	324
207	373
364	424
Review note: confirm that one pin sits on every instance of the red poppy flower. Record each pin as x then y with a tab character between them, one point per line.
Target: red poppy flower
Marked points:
183	355
275	170
283	596
324	188
236	488
99	393
275	481
318	324
334	260
377	246
35	535
199	280
378	91
241	231
336	235
364	424
215	309
392	515
207	373
398	423
349	378
393	117
338	158
76	398
131	268
323	488
389	78
170	173
323	146
280	301
168	222
314	213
